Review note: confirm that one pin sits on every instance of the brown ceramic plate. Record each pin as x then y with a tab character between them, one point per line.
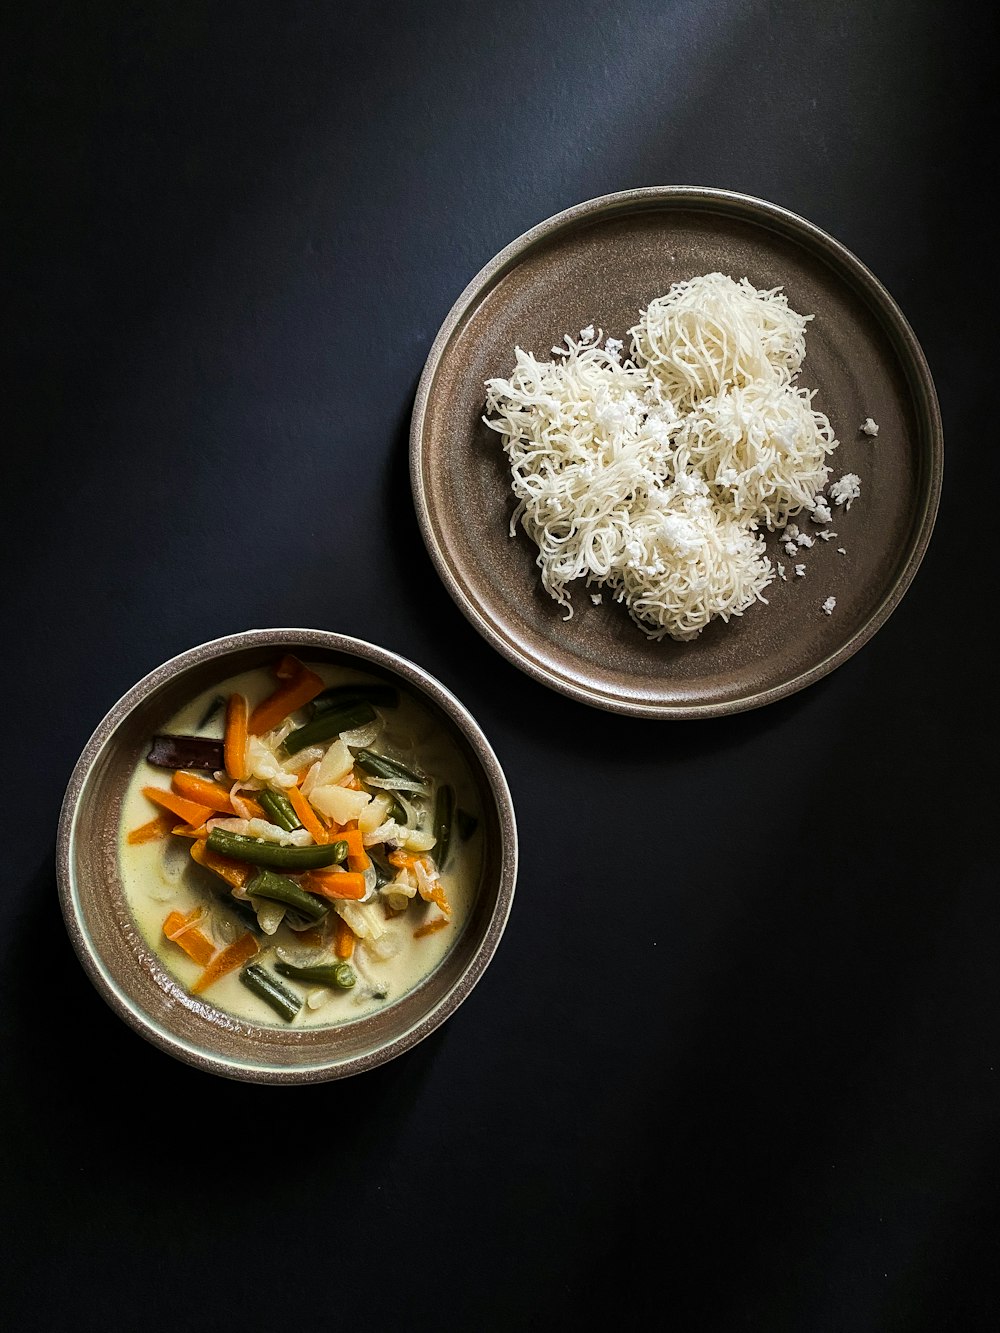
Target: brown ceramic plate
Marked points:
599	263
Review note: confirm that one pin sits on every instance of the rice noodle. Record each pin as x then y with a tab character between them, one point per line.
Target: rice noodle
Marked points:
652	476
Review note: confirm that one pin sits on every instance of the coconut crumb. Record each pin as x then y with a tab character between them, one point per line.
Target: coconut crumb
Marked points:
846	490
800	571
821	510
869	427
596	598
828	605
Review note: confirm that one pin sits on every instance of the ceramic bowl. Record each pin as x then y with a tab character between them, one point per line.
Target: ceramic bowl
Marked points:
129	975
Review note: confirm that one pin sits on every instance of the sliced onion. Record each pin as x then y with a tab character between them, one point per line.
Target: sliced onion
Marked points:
297	762
361	737
397	784
269	915
412	813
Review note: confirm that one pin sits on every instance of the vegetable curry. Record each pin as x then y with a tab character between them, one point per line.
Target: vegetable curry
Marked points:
301	845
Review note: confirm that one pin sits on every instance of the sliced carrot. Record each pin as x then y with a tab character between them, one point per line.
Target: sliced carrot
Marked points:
184	932
156	828
253	808
235	873
307	816
294	692
175	921
436	895
343	939
349	884
430	927
234	741
204	791
288	668
189	811
191	830
404	860
231	957
357	857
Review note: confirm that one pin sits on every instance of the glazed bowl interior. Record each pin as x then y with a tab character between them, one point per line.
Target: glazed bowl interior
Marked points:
128	973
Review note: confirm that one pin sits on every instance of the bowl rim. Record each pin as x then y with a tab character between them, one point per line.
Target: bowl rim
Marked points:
248	1069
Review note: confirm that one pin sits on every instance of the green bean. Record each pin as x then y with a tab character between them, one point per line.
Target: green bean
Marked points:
466	824
444	810
340	975
340	696
272	992
380	766
281	889
324	726
384	873
261	853
279	809
217	704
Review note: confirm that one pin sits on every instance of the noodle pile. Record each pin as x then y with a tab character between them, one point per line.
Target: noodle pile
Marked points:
652	476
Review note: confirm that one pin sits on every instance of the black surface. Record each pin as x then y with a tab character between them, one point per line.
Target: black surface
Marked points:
734	1065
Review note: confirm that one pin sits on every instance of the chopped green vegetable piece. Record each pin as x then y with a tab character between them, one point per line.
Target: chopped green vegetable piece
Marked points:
444	810
279	809
216	706
281	889
342	696
465	823
271	991
384	873
261	853
340	975
380	766
324	726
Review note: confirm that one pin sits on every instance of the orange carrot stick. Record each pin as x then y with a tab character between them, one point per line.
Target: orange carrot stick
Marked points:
349	884
234	746
294	692
235	873
430	927
231	957
436	895
190	830
404	860
357	857
184	932
343	939
189	811
156	828
306	815
204	791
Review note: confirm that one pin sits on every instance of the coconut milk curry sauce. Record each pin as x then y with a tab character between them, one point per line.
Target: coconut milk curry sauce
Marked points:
302	846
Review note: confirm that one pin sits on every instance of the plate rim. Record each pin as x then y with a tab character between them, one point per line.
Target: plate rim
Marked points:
757	210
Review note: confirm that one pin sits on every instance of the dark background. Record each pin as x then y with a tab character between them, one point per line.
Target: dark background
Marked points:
734	1065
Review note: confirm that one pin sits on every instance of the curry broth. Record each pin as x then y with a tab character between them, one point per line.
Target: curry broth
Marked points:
160	876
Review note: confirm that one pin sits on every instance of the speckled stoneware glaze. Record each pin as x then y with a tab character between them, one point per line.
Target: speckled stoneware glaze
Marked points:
130	977
600	263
